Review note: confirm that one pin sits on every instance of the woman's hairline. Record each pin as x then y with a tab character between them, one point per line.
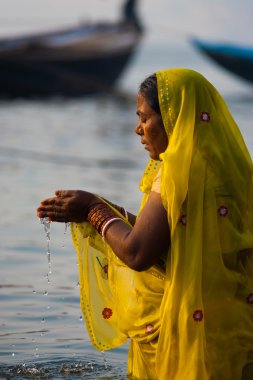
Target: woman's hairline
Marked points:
149	90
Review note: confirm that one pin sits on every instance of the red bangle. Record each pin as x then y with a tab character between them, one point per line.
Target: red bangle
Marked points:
100	215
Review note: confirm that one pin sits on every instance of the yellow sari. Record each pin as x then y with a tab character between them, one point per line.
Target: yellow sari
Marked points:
195	320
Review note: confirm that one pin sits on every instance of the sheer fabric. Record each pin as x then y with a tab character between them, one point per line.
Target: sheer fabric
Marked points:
117	302
207	311
195	321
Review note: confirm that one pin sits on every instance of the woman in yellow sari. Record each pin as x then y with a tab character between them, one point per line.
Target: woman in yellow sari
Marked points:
177	279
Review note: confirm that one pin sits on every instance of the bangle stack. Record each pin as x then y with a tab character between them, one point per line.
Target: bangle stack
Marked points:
101	216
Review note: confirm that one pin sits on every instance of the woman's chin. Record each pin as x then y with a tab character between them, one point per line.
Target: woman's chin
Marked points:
154	156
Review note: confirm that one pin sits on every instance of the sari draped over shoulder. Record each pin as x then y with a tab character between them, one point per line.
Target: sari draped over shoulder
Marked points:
207	189
194	320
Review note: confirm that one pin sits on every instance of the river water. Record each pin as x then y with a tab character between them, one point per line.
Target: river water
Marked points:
87	144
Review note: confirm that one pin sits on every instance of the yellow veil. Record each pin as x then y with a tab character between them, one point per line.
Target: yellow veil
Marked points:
207	189
195	321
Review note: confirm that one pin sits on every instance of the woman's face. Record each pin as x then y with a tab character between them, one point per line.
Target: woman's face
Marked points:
150	128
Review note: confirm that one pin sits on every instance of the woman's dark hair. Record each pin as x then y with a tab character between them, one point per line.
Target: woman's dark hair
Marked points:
148	89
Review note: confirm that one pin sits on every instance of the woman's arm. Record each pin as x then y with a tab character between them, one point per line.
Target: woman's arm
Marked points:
138	246
141	246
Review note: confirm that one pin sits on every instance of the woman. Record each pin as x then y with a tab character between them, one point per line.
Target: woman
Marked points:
178	278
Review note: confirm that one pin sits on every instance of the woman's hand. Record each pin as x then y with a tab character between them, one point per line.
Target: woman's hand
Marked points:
67	206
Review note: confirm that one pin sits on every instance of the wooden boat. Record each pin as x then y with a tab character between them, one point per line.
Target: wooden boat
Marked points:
77	61
234	58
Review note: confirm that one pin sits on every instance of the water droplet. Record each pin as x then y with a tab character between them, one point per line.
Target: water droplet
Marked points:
45	293
49	258
81	319
104	358
65	231
90	365
36	353
48	279
73	369
66	227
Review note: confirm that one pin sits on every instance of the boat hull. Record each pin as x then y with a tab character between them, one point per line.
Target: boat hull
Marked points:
237	60
81	77
46	67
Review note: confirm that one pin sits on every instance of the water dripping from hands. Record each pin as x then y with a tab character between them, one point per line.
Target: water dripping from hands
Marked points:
46	224
67	225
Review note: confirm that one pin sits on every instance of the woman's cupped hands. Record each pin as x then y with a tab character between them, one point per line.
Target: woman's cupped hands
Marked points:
67	206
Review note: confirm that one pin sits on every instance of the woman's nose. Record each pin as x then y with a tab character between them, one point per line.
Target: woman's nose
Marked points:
138	129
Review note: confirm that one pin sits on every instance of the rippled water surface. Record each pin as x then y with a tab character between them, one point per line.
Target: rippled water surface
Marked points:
69	144
72	144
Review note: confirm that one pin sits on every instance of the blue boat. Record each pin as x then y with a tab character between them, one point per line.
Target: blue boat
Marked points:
237	59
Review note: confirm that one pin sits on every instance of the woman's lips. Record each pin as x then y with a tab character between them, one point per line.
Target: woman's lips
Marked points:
146	146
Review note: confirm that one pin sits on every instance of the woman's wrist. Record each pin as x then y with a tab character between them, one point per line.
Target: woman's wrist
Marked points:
101	216
94	200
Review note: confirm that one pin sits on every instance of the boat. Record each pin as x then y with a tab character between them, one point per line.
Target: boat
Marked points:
235	58
75	61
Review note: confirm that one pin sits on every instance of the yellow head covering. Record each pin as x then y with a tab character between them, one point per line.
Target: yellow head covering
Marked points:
207	190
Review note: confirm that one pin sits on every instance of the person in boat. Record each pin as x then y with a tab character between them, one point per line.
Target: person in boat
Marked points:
177	279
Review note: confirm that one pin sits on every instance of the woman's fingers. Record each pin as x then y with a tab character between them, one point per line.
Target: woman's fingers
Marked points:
65	193
66	206
53	215
50	210
50	201
59	194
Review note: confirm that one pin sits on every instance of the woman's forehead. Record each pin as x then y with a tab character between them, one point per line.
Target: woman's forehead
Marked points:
142	104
